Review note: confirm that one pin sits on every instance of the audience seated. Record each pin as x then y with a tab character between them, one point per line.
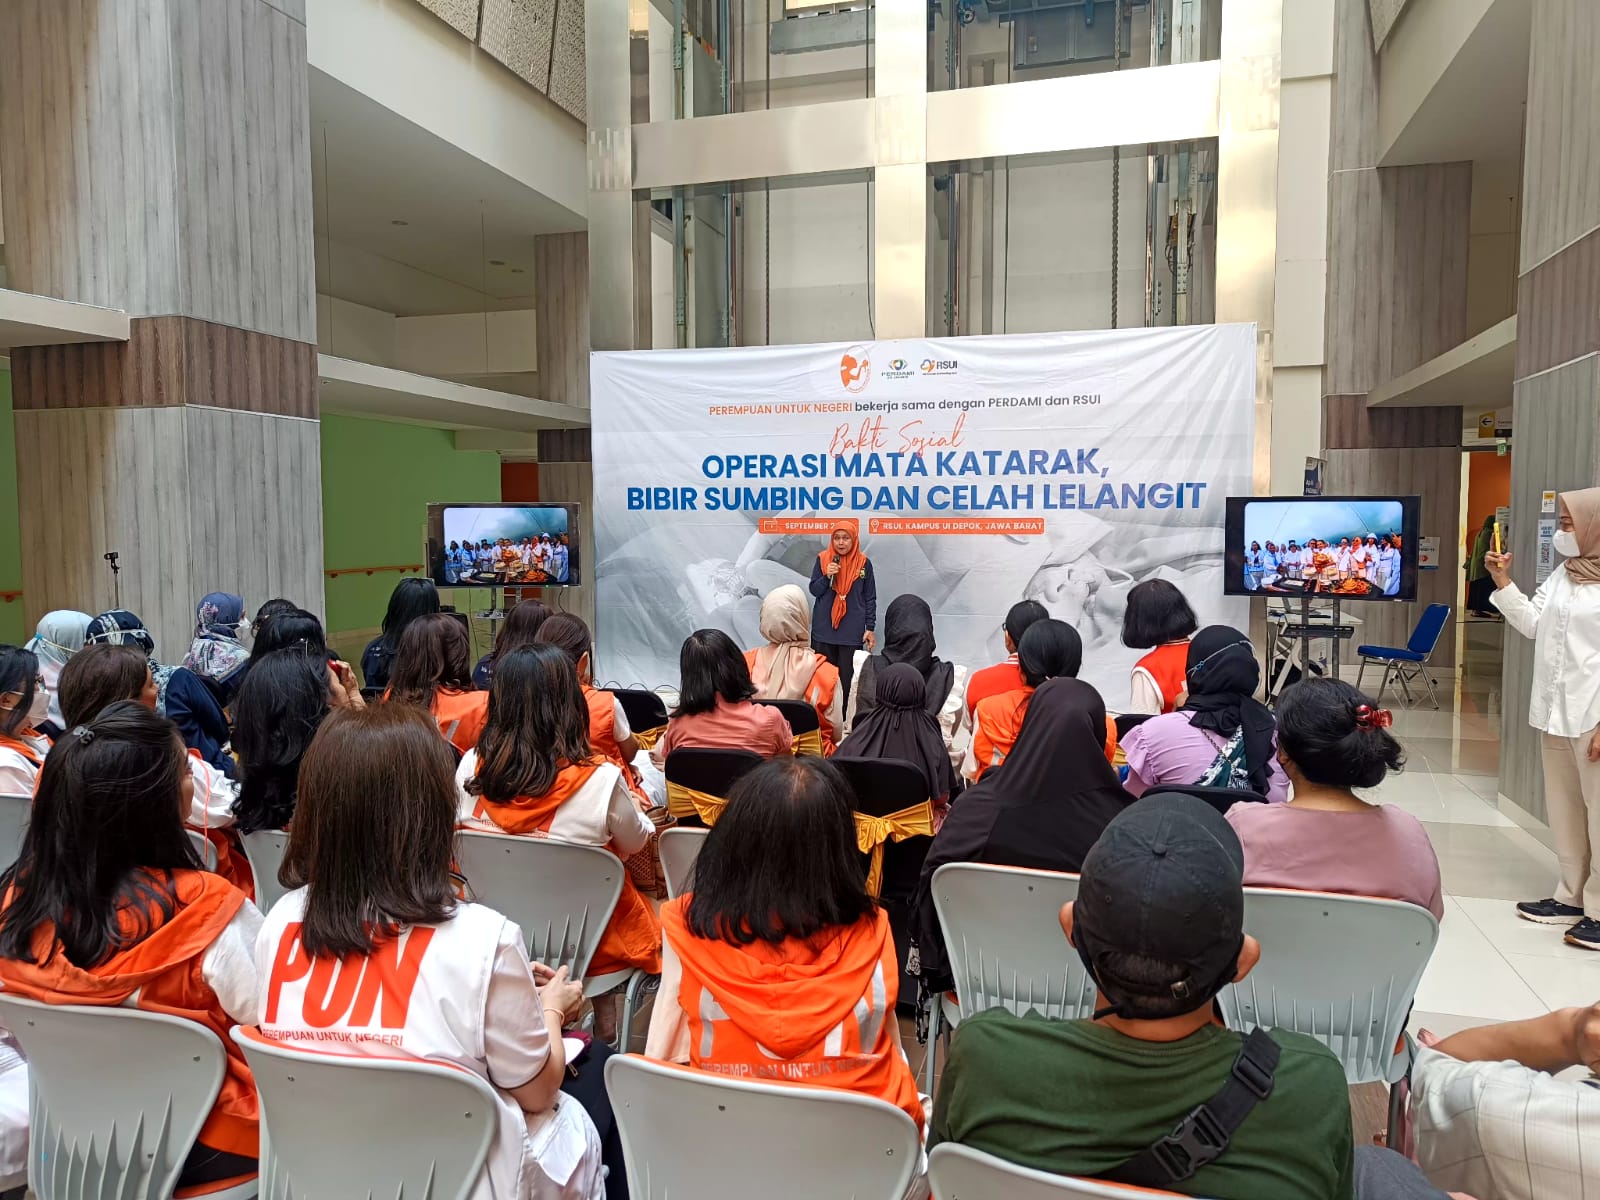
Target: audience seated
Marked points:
534	772
412	598
108	905
1005	676
218	655
716	710
1220	736
290	628
519	629
24	706
899	725
433	670
778	966
1332	738
787	668
1050	649
281	705
370	856
908	638
1159	926
609	731
57	638
1044	808
1158	619
181	697
272	608
1491	1118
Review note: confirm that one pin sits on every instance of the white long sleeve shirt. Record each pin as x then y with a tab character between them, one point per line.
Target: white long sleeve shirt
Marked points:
1563	619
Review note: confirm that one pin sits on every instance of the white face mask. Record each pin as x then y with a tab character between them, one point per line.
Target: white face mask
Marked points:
1566	543
40	708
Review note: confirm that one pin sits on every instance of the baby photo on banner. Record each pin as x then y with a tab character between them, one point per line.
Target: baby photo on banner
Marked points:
978	471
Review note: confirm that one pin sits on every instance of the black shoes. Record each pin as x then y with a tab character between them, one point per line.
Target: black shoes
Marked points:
1549	912
1585	934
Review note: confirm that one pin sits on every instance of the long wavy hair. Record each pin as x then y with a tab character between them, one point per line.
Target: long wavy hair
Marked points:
538	723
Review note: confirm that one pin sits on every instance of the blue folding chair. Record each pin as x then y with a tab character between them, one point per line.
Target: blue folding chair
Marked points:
1405	663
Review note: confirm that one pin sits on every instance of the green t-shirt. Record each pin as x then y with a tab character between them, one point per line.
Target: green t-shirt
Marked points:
1078	1098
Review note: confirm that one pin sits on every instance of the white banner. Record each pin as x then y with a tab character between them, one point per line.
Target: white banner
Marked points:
1060	467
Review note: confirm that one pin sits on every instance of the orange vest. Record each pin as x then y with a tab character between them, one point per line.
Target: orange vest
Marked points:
633	935
461	716
603	736
1168	666
163	971
819	1013
819	694
999	721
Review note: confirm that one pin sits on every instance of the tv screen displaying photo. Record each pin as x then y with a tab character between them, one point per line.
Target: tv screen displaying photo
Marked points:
503	545
1341	547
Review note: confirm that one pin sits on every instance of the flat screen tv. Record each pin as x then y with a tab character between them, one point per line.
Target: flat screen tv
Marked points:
503	545
1340	547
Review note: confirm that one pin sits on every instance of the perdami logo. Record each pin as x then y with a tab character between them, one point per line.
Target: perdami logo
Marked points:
899	368
855	369
938	366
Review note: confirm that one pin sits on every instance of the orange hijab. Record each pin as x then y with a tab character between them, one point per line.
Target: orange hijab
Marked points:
851	567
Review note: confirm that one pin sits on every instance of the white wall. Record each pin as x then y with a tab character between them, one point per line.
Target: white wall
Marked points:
454	345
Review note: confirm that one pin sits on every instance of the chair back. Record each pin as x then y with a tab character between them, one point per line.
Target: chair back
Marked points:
679	849
204	848
117	1097
766	1137
1219	798
16	811
883	786
643	708
1341	969
560	894
423	1129
801	716
703	769
962	1173
1429	627
264	848
1005	943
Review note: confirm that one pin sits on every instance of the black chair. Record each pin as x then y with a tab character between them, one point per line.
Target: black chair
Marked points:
711	771
801	716
1221	799
644	709
883	786
1130	721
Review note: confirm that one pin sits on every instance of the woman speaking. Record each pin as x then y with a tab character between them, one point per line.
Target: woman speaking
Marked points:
844	611
1563	618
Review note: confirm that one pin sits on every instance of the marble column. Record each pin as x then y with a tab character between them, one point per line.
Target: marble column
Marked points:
157	160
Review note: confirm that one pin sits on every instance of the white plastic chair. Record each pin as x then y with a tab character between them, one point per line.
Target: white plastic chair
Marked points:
691	1133
118	1098
15	812
962	1173
1003	938
680	846
339	1125
561	895
264	848
1341	969
204	848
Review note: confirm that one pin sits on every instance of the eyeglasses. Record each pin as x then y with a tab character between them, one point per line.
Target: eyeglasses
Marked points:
38	683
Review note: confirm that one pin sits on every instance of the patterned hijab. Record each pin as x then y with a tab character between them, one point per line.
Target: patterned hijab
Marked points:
216	652
119	627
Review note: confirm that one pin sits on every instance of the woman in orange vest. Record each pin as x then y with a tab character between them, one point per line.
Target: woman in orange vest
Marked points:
1158	619
108	905
433	670
24	706
787	668
779	967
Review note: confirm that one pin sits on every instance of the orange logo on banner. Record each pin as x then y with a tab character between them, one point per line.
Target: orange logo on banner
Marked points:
854	369
355	985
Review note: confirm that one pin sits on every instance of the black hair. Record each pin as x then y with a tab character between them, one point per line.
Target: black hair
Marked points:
293	628
538	723
19	675
1049	650
272	608
98	676
710	665
1157	613
412	597
103	842
280	707
1021	615
1317	729
782	861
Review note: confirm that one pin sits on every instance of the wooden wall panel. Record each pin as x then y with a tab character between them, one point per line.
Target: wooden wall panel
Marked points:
1558	308
561	292
1353	141
1561	159
1435	475
1348	424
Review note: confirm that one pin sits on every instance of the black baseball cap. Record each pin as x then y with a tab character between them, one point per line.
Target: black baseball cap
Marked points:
1165	883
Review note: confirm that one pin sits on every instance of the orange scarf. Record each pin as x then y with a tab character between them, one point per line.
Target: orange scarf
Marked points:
530	816
851	567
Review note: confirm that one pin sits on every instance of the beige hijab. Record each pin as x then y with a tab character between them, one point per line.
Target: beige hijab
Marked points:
1584	509
785	665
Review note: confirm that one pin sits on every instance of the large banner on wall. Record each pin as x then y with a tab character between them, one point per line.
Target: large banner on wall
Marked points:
980	471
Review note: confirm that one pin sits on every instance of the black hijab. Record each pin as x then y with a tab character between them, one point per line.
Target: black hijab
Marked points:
1222	675
898	726
1044	807
908	638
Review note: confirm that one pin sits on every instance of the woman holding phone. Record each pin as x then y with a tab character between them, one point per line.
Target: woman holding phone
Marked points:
1563	618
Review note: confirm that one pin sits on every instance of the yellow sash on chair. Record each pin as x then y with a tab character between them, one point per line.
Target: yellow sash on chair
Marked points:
647	738
809	742
685	801
872	832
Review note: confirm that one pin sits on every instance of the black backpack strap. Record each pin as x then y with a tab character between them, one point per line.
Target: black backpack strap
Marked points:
1206	1132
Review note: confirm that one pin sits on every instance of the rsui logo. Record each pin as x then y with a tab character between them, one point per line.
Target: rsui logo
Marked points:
855	369
938	366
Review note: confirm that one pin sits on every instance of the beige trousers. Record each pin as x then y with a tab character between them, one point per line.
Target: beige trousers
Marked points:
1572	806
